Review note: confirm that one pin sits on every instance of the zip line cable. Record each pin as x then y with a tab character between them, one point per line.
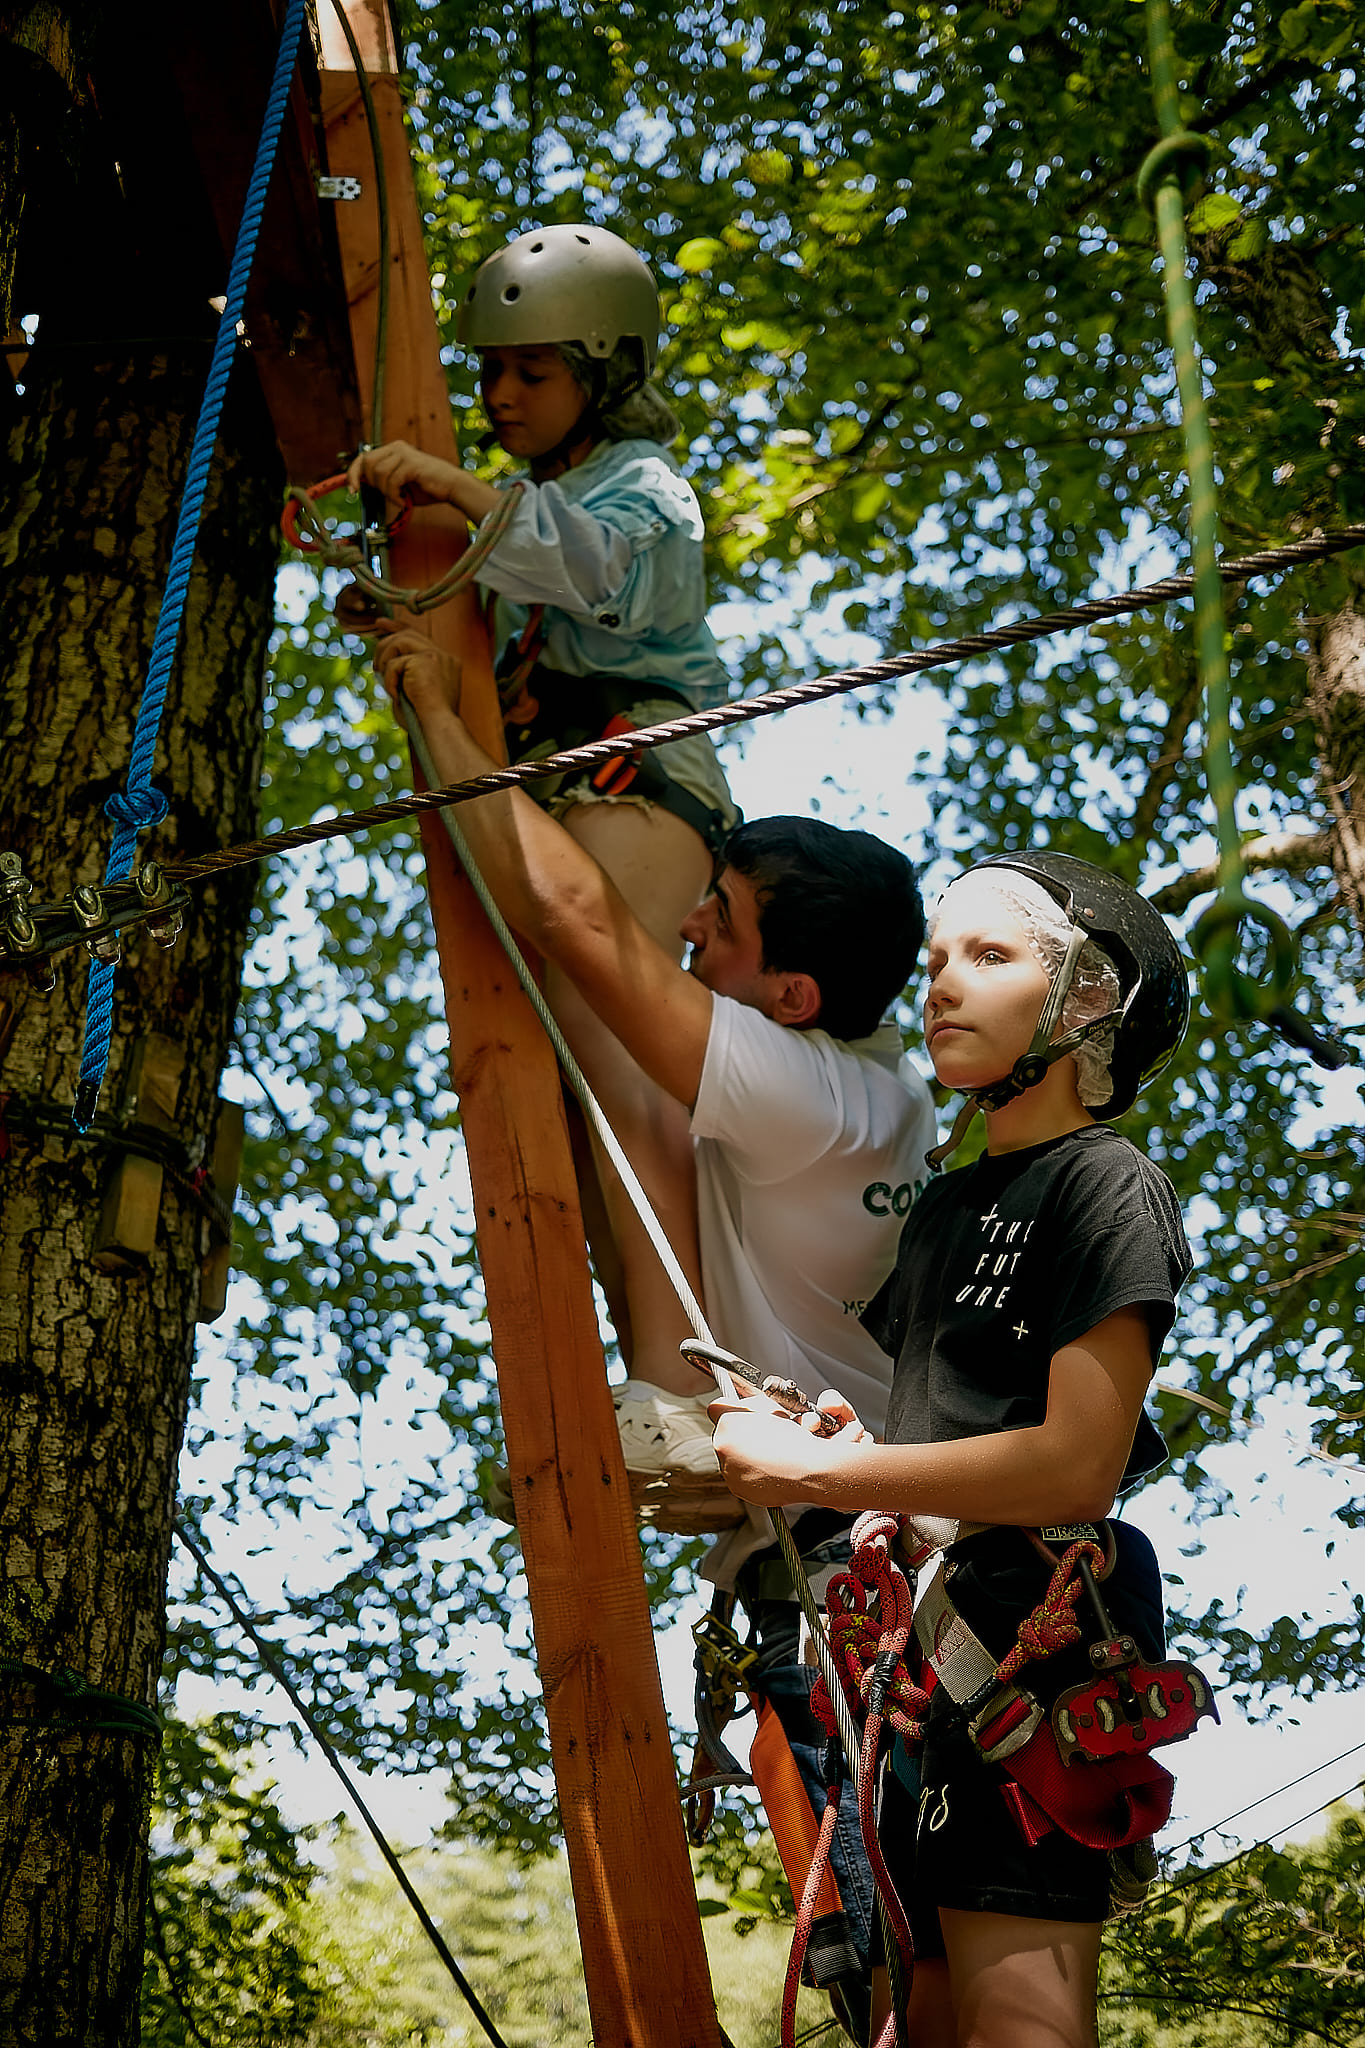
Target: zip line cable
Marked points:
139	803
1188	1881
1216	1827
741	710
272	1665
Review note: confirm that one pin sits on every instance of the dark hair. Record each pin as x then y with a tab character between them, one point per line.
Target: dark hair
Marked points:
843	907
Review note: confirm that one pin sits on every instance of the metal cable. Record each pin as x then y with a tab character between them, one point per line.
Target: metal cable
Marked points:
1263	563
276	1670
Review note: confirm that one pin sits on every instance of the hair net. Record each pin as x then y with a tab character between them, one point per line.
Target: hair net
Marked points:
628	410
1095	986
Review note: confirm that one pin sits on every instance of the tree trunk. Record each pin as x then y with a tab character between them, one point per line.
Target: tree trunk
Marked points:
96	1365
1336	698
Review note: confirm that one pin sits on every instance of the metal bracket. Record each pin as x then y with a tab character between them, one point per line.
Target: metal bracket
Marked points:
337	188
95	917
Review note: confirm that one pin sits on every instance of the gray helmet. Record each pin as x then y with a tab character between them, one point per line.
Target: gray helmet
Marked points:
577	283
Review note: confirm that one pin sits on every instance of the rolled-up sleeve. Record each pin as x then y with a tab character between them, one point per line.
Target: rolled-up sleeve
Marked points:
621	550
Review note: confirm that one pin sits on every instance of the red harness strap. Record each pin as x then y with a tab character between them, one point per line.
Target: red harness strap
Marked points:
1104	1804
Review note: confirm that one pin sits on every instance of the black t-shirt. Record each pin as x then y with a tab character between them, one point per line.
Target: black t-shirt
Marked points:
1003	1262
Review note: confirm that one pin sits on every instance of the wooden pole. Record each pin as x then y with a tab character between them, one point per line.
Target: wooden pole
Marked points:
643	1956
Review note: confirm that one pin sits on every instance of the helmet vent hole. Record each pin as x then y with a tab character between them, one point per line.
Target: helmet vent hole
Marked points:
584	240
536	248
511	294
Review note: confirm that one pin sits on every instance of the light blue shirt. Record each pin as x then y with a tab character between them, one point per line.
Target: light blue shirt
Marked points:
613	550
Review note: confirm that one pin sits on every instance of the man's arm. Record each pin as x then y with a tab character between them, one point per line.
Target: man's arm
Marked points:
553	892
1066	1469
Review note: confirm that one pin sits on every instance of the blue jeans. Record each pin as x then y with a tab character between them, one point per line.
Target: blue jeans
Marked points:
788	1686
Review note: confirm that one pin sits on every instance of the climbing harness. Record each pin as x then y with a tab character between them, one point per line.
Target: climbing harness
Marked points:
1166	182
1084	1767
139	803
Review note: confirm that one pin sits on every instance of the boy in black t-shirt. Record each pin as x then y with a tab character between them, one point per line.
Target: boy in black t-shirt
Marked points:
1026	1314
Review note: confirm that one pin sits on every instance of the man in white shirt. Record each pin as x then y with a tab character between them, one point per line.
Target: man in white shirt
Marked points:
808	1128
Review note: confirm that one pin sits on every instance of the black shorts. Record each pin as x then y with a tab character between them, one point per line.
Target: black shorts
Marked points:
947	1831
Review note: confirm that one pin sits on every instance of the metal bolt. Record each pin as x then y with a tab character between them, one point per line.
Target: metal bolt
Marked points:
88	904
13	881
43	976
23	932
151	883
166	930
108	947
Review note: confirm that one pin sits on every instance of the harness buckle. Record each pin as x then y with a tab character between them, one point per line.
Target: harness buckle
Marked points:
721	1649
1010	1717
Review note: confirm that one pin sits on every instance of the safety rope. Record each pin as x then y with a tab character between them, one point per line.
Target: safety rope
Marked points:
1166	181
869	1603
272	1664
66	1699
595	753
301	520
139	803
1053	1626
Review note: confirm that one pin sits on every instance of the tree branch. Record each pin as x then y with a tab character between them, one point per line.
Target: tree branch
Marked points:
1295	852
1178	722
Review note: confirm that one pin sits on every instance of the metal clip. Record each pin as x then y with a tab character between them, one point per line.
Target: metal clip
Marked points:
153	888
13	881
88	905
720	1648
337	188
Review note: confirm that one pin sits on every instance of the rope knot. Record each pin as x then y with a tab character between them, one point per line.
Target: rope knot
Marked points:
1053	1626
135	809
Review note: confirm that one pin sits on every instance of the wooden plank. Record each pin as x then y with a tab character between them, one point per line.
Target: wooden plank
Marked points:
644	1960
296	323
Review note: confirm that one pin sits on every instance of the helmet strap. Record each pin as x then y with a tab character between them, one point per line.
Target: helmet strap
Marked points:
1043	1051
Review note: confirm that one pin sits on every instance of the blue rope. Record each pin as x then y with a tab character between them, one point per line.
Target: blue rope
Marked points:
139	804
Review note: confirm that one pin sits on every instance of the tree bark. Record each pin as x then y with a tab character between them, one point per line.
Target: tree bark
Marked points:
96	1368
1336	698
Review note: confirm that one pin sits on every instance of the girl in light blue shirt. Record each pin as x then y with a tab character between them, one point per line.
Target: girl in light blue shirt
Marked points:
597	604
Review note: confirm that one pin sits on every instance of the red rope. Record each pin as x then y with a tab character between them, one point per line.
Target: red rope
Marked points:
1053	1626
805	1915
870	1612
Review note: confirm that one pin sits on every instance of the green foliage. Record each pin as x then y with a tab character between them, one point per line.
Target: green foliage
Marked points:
1267	1949
740	1872
229	1956
253	1939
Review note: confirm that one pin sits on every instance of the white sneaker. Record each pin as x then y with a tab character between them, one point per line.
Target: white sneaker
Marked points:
662	1432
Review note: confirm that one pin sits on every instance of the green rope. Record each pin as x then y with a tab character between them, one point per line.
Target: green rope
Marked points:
1166	181
65	1699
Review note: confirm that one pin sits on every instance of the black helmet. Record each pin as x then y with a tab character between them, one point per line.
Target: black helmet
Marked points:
1151	971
